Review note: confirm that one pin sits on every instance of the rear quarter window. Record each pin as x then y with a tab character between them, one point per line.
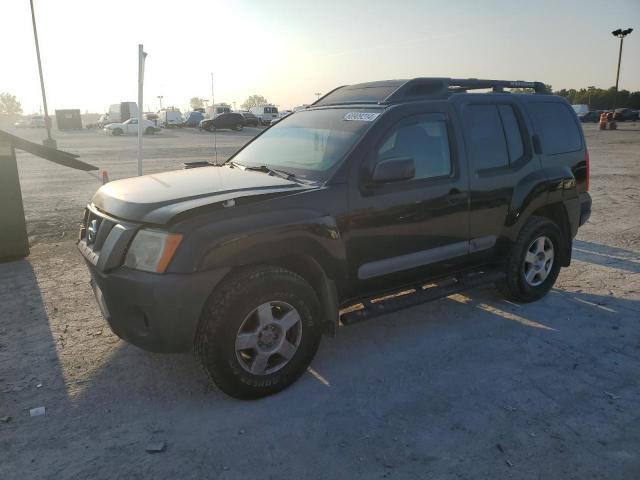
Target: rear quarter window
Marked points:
556	127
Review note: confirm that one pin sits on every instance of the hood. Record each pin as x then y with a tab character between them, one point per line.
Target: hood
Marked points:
159	197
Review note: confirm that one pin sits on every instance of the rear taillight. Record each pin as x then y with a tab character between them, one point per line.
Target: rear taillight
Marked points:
586	163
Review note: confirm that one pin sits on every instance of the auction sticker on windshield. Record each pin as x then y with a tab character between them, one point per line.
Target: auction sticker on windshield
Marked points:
361	116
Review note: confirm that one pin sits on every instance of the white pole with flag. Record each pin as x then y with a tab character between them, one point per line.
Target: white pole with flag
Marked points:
141	58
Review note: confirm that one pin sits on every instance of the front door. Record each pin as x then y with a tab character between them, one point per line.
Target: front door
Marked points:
407	231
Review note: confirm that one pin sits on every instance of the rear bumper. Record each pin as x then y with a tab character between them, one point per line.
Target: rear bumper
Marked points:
159	313
585	208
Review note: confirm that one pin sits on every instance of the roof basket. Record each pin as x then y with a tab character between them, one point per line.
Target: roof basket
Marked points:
393	91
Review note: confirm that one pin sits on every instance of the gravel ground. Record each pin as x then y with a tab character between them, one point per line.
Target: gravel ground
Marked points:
470	386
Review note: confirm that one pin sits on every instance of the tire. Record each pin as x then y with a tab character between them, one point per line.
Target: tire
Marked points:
149	131
117	132
238	127
528	280
246	310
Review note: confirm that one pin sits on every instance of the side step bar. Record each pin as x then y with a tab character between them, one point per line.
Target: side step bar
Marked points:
374	307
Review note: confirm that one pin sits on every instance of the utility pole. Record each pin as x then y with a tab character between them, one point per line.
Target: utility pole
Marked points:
141	59
213	100
160	97
49	142
317	94
590	89
620	34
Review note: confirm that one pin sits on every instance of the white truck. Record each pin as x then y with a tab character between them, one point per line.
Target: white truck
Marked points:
217	109
119	113
265	113
130	127
170	118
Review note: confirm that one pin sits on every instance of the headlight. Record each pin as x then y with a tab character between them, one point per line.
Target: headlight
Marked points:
152	250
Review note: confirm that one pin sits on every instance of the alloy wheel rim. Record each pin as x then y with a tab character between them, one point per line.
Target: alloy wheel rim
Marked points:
538	261
268	338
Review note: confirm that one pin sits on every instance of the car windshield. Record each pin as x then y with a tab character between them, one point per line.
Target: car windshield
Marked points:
308	143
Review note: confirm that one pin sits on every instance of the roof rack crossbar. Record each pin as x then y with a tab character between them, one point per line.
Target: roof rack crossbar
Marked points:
443	87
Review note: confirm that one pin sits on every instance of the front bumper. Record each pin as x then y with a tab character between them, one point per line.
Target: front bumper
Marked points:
156	312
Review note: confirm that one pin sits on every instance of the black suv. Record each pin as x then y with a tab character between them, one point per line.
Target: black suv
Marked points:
406	185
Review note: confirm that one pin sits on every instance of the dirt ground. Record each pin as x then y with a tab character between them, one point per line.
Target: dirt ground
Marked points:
467	387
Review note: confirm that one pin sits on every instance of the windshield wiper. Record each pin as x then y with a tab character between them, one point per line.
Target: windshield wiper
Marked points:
271	171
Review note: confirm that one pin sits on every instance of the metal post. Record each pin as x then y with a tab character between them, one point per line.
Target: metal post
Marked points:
141	58
49	142
213	100
617	74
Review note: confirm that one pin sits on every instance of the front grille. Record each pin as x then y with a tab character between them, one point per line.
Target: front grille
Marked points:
103	240
95	229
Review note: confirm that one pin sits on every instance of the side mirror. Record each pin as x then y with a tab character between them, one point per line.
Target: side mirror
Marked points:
394	170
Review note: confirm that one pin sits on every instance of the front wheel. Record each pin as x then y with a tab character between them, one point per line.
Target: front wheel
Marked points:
149	131
238	127
259	332
533	264
117	132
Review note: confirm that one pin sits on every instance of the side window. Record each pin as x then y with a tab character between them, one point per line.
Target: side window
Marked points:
556	126
486	138
425	141
512	132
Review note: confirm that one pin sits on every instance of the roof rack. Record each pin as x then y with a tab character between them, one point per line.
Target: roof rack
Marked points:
392	91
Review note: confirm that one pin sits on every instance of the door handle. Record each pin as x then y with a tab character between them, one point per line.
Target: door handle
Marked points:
455	196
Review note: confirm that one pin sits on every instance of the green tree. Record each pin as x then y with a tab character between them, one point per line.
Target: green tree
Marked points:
254	101
9	104
196	102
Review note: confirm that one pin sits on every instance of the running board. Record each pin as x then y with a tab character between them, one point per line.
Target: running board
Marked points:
374	307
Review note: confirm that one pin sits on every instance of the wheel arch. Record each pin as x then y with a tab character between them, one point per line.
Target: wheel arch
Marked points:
557	213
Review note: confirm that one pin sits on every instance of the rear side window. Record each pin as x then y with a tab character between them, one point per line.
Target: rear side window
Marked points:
487	144
556	127
511	132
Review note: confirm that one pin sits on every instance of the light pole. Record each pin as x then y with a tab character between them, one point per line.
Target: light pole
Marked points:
160	97
49	142
213	100
620	34
317	94
590	89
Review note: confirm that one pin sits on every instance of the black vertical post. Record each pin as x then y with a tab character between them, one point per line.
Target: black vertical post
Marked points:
14	243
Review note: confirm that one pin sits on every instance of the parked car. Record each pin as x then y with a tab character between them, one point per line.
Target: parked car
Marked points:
36	121
591	117
375	189
625	115
193	119
130	127
21	123
250	119
216	109
233	121
265	113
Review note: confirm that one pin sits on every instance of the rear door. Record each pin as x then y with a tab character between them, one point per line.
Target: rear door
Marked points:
403	232
501	164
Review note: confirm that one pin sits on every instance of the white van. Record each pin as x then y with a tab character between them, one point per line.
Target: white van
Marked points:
170	117
217	109
265	113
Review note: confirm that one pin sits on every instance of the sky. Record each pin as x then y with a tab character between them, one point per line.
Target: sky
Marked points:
287	50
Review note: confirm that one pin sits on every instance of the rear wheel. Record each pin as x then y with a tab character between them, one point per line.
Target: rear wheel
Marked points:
533	264
238	127
258	332
149	131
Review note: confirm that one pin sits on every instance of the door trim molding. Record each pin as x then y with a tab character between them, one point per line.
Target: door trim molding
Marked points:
424	257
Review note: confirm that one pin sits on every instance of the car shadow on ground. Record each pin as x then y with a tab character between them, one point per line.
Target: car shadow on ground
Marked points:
606	256
437	376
